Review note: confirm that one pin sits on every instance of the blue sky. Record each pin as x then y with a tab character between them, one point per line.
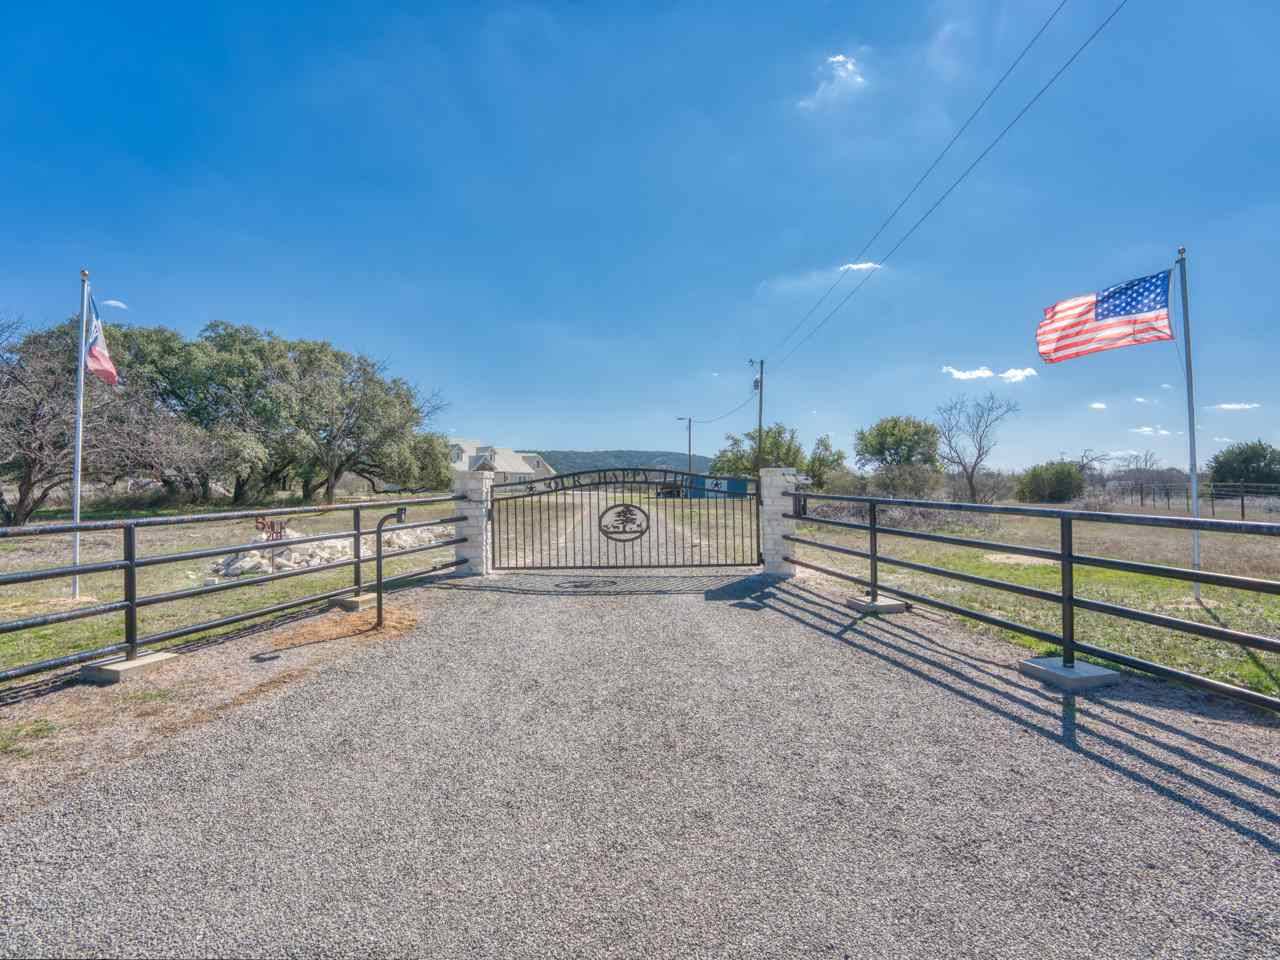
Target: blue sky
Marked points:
579	222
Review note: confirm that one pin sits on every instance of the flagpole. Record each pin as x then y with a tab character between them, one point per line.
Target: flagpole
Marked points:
1191	416
75	462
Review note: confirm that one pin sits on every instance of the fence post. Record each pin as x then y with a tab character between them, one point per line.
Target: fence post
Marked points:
775	485
875	566
477	487
1068	596
398	516
131	590
1242	503
357	551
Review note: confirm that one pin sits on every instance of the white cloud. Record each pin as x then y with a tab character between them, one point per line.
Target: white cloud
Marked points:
714	374
1012	375
1125	453
1017	375
838	78
1221	439
1156	431
1166	386
811	281
1097	406
1235	406
1141	400
118	304
981	373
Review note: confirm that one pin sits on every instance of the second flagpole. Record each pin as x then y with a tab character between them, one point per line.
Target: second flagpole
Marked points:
75	461
1191	416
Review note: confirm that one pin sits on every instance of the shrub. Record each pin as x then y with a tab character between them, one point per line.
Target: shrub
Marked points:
910	481
1256	462
846	483
1053	482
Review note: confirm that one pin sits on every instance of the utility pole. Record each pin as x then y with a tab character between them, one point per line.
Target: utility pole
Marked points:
759	414
689	422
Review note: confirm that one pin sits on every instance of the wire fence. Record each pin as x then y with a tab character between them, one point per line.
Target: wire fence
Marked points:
1242	500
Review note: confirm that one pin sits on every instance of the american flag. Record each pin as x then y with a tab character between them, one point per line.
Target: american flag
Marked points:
1121	316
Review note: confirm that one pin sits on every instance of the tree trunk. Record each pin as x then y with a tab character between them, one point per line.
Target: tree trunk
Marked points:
308	488
971	478
331	484
28	500
241	492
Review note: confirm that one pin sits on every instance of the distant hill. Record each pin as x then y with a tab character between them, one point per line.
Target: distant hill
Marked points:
568	461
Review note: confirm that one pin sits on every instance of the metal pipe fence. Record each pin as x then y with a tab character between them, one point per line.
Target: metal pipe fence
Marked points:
1067	558
130	562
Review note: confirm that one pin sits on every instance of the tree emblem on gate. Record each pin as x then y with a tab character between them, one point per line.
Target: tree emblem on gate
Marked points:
624	522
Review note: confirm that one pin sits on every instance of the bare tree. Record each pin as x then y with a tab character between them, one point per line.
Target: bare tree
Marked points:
967	434
1141	466
1092	463
37	420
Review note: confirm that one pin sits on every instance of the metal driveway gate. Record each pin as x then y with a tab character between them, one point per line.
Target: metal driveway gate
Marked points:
626	518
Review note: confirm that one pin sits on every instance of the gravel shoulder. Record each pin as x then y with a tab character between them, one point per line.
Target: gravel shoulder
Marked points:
667	765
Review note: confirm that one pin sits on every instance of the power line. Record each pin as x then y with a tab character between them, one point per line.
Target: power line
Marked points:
963	176
924	176
751	396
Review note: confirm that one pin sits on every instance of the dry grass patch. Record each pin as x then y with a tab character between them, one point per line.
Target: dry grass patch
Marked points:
1016	560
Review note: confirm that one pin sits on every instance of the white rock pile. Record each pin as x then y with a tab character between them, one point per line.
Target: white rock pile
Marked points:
269	559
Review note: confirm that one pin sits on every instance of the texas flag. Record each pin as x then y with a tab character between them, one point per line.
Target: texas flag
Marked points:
96	357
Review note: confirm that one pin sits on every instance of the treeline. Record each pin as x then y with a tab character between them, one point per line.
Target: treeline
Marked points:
916	458
236	412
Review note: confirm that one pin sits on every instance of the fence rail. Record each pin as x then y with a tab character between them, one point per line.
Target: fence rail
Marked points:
1067	558
130	562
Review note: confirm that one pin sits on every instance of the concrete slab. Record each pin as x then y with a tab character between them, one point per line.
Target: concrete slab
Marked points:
1083	676
354	604
122	671
867	605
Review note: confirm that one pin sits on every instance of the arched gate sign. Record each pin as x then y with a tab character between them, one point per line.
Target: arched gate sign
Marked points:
637	517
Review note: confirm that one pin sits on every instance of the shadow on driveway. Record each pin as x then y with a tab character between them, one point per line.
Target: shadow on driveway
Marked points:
1148	731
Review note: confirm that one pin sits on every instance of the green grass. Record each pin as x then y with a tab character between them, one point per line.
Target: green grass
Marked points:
1235	609
15	737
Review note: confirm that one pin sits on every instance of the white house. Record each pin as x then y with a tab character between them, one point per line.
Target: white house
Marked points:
507	465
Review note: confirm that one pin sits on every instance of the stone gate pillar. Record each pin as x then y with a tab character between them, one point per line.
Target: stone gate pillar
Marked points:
476	486
774	482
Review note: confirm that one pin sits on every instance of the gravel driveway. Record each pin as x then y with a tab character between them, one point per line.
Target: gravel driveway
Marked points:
635	766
